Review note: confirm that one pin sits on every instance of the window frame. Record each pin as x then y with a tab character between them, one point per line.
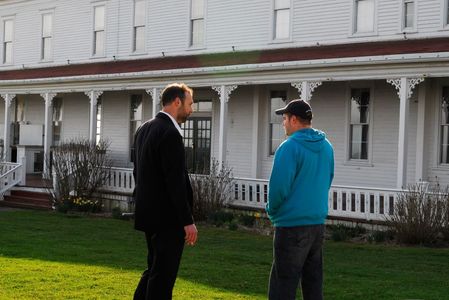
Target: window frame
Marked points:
51	36
440	125
191	45
134	49
445	15
353	31
403	27
3	46
94	31
130	120
273	23
271	151
348	160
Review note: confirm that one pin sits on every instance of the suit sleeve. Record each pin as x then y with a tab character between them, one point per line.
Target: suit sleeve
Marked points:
173	168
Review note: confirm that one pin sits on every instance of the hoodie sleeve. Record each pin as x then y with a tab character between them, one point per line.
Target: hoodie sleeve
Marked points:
282	177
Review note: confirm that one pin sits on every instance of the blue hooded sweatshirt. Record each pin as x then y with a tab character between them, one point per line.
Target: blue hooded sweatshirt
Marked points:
303	170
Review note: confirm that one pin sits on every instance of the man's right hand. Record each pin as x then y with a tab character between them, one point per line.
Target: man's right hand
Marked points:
191	234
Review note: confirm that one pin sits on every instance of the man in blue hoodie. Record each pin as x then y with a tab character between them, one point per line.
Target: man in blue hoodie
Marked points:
302	174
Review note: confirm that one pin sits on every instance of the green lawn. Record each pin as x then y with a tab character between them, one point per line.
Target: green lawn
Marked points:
53	256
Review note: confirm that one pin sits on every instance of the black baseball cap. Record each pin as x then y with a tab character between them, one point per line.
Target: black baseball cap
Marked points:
298	108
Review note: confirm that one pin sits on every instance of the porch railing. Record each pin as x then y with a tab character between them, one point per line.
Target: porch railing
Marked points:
10	175
344	201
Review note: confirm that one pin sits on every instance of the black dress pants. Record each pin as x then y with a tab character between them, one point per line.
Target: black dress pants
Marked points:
164	256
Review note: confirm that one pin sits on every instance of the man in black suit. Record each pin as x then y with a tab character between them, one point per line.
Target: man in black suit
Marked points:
163	194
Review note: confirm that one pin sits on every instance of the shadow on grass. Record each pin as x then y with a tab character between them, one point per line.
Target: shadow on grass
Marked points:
225	260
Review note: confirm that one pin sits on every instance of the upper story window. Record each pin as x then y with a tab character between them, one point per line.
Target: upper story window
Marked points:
99	34
47	36
139	26
446	13
444	127
364	16
197	23
8	34
281	19
277	134
408	14
359	124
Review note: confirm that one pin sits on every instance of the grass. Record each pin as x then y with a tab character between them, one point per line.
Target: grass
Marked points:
53	256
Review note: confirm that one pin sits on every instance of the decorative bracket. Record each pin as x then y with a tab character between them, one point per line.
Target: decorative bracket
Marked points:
93	95
410	82
48	98
227	91
158	92
8	98
306	88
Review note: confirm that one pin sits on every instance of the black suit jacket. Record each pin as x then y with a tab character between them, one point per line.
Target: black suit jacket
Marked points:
163	194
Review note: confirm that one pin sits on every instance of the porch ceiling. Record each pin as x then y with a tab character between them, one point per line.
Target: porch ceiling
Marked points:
424	57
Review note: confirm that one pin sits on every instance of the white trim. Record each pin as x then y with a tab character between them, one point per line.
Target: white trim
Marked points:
273	39
41	54
439	95
13	40
190	45
92	52
420	133
144	50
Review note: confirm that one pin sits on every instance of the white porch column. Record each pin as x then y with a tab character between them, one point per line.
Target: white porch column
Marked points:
306	88
48	129
93	98
404	86
255	136
224	91
7	130
420	131
155	94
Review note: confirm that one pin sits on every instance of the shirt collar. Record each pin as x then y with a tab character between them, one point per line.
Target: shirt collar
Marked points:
174	123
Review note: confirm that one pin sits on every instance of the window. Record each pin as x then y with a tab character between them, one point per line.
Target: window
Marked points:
364	16
99	34
139	26
446	13
57	120
408	14
197	23
359	124
8	28
444	140
277	134
135	117
281	19
47	36
98	129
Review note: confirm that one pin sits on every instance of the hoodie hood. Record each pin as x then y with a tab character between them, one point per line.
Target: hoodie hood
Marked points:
310	138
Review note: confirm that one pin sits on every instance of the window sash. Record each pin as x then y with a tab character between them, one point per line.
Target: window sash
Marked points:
99	42
139	13
47	25
99	18
8	30
7	52
47	43
282	24
197	37
409	14
281	4
364	16
139	38
197	9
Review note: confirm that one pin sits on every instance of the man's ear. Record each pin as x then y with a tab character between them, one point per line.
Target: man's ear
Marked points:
178	102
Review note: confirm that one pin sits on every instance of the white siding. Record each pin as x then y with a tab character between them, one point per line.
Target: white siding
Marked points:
167	27
75	116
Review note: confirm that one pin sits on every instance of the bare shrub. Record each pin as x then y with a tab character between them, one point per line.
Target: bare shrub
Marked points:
211	192
420	214
79	168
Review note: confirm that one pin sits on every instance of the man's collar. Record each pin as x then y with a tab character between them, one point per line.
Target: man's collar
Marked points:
174	122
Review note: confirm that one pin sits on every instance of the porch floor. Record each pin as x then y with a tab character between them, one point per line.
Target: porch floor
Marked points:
36	180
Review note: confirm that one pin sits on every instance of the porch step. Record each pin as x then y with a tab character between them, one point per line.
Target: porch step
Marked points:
26	199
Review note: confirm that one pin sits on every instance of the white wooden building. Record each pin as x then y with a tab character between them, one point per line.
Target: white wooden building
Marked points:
376	73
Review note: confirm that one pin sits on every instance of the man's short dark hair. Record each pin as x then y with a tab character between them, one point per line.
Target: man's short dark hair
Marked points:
173	91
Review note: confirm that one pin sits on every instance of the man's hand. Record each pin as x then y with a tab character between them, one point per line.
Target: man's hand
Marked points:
191	234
